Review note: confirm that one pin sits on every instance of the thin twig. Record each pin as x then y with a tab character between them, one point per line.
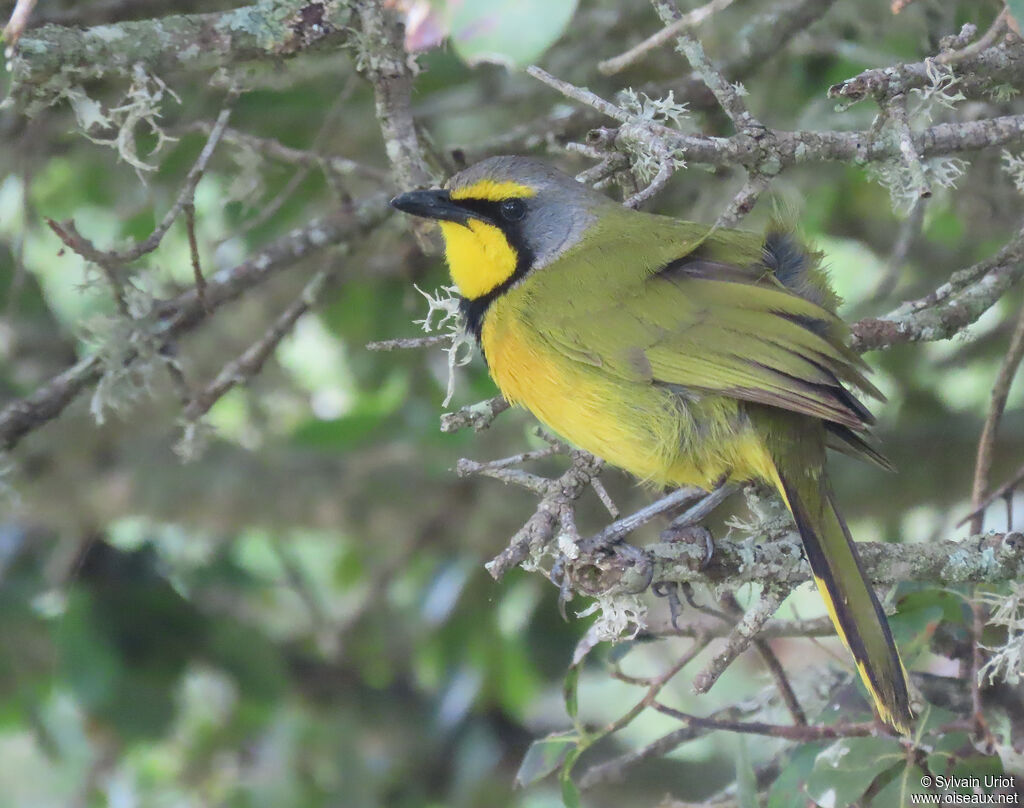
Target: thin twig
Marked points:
405	343
531	482
614	770
803	734
771	661
655	686
540	527
726	94
605	497
193	247
896	109
987	442
241	369
739	638
270	209
689	20
79	244
274	149
468	467
581	94
910	228
745	199
479	416
17	23
952	57
1005	490
185	196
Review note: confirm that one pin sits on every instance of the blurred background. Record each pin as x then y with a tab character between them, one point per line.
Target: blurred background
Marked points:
290	608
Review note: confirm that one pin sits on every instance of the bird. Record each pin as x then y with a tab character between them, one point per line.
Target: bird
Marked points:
683	353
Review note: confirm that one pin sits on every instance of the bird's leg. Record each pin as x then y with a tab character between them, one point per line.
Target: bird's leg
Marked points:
670	591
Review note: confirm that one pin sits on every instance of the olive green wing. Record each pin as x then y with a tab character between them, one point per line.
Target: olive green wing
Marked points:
704	326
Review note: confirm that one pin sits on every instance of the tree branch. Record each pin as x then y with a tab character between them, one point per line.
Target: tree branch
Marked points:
387	67
950	308
976	75
50	57
996	557
987	442
250	362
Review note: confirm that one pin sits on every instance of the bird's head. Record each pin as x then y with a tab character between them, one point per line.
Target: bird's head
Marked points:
504	218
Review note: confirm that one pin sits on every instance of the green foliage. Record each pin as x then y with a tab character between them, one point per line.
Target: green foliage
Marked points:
545	756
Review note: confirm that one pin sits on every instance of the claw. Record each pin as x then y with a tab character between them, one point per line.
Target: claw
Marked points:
692	534
669	589
559	577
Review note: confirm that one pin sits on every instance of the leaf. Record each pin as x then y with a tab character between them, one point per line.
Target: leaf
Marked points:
917	617
845	770
898	791
570	793
508	32
544	756
789	788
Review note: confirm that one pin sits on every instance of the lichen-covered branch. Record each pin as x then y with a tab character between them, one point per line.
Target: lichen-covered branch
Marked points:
794	148
20	417
540	528
52	57
950	308
186	311
387	66
995	557
977	74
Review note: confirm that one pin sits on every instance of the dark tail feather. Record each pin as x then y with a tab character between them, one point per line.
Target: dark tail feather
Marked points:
849	598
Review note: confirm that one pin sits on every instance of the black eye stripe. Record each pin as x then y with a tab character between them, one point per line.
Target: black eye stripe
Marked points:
494	212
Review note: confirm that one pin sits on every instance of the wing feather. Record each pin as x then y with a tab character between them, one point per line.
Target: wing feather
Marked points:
714	327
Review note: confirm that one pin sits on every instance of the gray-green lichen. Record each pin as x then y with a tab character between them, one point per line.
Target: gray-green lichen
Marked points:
52	58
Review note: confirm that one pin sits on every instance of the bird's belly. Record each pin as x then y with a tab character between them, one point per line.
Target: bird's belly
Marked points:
643	428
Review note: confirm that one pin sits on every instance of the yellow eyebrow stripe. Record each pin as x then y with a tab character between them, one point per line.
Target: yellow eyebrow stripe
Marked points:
492	190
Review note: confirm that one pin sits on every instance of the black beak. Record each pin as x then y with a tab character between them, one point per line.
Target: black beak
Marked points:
432	204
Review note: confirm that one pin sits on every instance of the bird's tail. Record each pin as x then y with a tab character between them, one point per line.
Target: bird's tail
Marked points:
849	598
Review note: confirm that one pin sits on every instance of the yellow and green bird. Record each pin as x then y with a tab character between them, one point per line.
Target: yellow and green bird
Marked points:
682	353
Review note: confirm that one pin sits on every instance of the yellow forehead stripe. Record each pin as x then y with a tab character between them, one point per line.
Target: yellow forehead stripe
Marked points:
493	190
479	256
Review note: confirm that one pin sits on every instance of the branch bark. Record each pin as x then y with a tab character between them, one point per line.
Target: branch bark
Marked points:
950	308
993	558
49	58
976	75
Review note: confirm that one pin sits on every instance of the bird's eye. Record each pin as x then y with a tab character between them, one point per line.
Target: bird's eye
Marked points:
512	210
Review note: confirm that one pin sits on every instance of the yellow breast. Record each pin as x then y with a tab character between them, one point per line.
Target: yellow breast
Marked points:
642	428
